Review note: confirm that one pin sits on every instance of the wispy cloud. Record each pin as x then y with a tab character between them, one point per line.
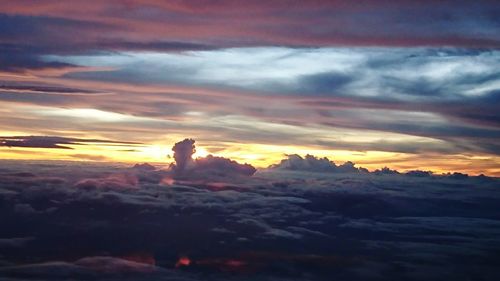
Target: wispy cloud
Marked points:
54	142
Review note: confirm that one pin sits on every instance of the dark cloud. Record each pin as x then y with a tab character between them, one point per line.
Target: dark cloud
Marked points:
221	166
183	152
114	265
419	173
385	171
157	46
480	110
26	38
84	268
311	163
316	23
44	89
53	142
324	83
113	181
356	226
167	27
203	167
22	58
14	242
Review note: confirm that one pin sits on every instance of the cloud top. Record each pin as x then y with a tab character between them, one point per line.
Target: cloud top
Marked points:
279	224
210	166
312	163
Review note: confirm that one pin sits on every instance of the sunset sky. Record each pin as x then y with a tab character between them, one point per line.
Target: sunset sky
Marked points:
404	84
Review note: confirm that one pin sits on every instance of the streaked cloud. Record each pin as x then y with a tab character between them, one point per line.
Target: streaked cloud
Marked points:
361	77
53	142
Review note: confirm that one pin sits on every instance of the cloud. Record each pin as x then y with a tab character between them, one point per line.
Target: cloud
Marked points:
374	224
156	46
14	242
45	89
53	142
39	142
114	265
89	157
419	173
385	171
372	92
450	92
113	181
29	37
210	166
385	23
28	179
34	30
94	267
311	163
223	166
327	83
183	152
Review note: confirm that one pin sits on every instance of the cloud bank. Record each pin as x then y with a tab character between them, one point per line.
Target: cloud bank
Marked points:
278	224
311	163
201	167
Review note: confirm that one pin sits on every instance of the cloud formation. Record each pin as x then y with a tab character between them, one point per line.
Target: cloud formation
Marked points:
34	29
201	167
311	163
276	225
410	80
183	153
53	142
446	97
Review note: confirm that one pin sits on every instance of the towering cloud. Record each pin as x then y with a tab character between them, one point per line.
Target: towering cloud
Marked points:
183	152
204	167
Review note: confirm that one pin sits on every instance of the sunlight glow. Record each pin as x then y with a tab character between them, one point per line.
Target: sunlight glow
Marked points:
90	113
261	156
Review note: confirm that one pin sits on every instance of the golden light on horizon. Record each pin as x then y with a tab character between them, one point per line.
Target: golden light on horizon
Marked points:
261	156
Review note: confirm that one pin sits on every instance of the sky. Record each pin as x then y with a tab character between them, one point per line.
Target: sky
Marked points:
403	84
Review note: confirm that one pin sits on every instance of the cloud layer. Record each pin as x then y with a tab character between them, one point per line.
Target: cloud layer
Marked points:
53	142
404	80
276	225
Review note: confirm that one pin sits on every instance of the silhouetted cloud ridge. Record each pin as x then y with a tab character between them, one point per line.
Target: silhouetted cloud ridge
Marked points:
186	166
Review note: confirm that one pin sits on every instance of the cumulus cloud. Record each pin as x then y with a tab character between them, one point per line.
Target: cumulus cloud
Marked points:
312	163
222	166
203	167
183	152
419	173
